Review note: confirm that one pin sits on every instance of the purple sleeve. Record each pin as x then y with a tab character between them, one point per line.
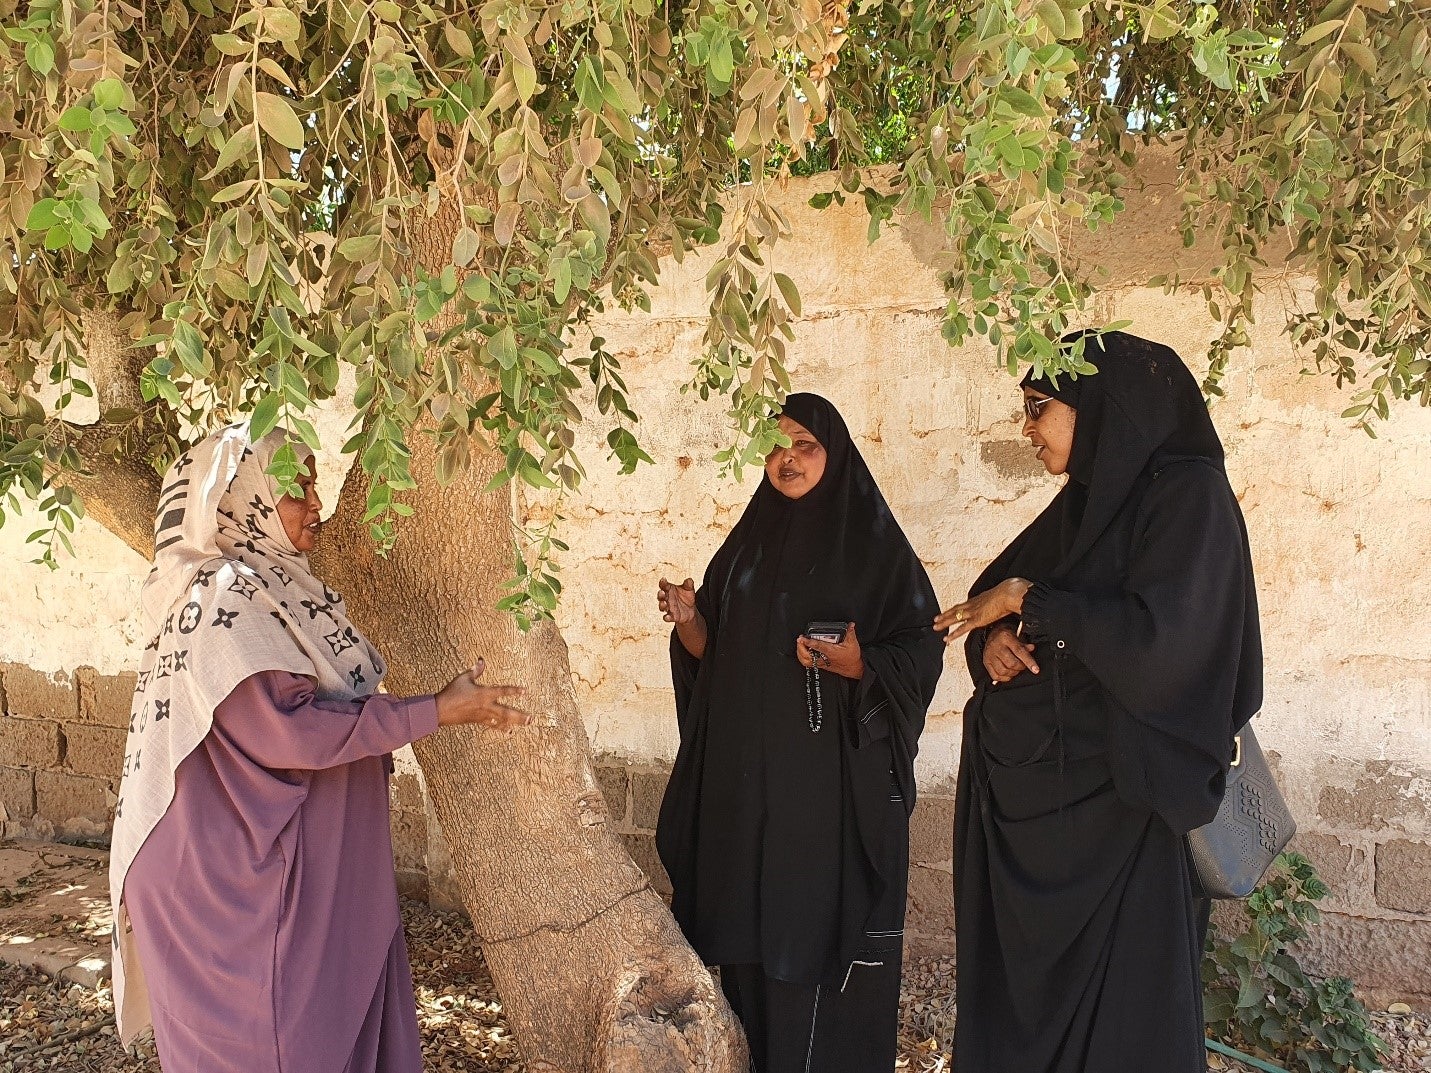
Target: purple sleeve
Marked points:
274	719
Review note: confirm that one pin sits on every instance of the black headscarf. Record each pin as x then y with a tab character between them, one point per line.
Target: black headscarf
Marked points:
835	554
1142	409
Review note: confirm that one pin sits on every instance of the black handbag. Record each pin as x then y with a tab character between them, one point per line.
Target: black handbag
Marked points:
1253	825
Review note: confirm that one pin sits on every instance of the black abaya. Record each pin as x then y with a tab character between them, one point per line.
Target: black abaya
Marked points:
1079	936
788	848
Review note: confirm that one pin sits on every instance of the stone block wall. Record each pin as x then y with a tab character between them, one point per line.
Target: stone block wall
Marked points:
61	748
633	793
1368	836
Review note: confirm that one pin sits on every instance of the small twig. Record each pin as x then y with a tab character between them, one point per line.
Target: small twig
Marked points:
69	1037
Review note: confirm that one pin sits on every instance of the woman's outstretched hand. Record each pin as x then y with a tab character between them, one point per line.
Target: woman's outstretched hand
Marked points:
844	659
1004	599
678	606
462	700
1006	656
677	602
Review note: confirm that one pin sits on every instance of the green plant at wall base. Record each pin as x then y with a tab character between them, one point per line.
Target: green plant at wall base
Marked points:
1259	999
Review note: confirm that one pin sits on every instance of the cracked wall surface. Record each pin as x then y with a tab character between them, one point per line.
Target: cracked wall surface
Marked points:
1339	526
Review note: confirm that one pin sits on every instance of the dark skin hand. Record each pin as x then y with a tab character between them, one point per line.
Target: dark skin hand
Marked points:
1004	599
843	659
463	701
1006	656
678	606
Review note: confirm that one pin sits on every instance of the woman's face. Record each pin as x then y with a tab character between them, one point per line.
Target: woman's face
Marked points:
796	469
1051	432
300	517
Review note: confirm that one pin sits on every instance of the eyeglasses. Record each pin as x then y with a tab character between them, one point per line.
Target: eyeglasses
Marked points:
1034	407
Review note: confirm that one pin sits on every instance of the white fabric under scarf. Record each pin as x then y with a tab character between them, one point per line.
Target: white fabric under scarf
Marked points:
229	597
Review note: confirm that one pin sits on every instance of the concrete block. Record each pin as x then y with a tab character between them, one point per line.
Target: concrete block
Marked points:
35	695
642	848
105	699
1381	798
647	789
1403	876
29	742
931	830
94	750
1333	860
17	793
612	780
63	799
412	885
409	833
1386	959
930	907
407	792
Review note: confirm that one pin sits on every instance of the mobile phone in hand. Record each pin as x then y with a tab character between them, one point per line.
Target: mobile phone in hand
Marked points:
830	632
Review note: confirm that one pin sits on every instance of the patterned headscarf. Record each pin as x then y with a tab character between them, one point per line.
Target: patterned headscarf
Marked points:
229	597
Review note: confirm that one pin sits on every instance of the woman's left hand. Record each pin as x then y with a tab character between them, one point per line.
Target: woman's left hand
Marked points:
843	659
1004	599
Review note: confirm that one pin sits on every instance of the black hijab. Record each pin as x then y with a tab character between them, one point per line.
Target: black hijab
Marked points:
1140	411
835	554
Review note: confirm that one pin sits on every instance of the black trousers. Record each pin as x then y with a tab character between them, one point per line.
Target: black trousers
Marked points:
848	1023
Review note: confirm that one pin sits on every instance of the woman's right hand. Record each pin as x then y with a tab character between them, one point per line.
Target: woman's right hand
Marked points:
462	700
1006	656
677	602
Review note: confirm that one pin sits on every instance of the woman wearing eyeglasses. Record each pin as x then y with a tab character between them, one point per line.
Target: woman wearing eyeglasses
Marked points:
1115	651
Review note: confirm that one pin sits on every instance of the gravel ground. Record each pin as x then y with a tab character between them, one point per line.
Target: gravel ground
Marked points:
50	1026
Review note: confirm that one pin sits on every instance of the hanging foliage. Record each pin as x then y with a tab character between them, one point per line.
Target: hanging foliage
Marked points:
436	196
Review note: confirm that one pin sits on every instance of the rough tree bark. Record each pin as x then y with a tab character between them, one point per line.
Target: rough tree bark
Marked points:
594	974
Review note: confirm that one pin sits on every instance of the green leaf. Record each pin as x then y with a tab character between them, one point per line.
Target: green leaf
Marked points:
243	144
561	279
524	77
231	44
1319	31
109	94
360	247
234	191
189	348
503	348
40	56
789	292
265	416
722	63
279	121
43	215
76	118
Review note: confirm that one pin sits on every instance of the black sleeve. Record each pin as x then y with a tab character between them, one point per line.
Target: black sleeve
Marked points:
1166	644
684	666
902	671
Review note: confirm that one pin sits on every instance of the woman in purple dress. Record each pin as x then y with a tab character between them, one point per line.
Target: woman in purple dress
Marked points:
256	916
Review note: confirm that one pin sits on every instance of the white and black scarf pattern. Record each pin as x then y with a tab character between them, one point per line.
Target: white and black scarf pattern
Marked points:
229	597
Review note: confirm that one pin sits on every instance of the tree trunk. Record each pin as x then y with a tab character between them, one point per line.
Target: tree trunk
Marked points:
593	972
